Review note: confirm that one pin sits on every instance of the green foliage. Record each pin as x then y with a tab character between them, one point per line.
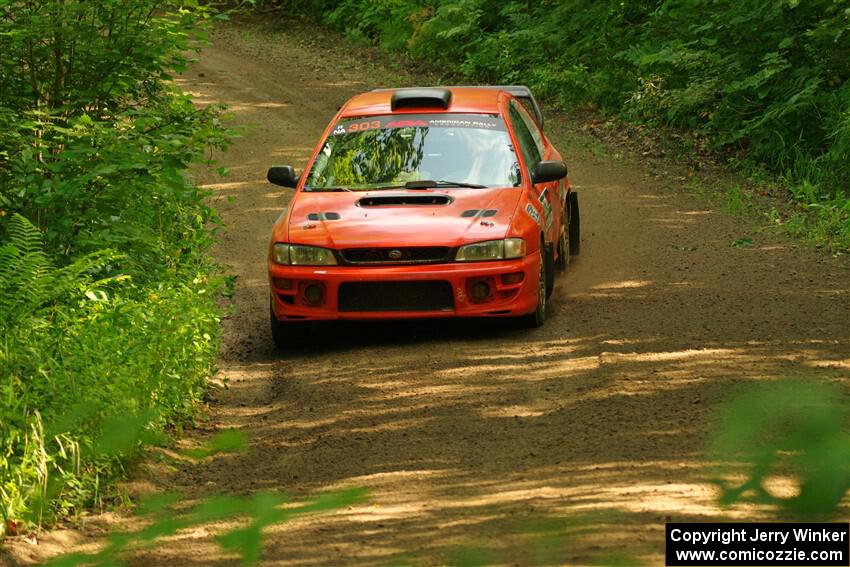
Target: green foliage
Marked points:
256	513
92	57
109	307
789	428
115	182
768	76
766	79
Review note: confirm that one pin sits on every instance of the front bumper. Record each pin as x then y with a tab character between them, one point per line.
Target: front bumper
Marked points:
512	285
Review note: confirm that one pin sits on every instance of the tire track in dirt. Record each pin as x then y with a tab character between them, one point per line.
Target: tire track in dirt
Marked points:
465	431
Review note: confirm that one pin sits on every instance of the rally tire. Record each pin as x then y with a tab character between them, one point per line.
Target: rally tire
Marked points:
538	316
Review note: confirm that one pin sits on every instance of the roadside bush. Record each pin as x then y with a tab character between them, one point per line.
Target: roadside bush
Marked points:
109	300
768	77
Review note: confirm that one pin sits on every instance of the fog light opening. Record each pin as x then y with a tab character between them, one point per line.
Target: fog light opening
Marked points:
313	295
515	278
480	291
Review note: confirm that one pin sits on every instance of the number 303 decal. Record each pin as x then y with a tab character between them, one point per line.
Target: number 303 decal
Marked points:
360	126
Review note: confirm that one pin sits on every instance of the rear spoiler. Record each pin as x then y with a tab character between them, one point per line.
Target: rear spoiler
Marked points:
520	92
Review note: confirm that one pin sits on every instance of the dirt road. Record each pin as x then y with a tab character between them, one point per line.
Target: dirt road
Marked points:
467	433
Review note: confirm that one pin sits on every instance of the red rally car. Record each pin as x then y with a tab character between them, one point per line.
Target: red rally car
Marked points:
423	203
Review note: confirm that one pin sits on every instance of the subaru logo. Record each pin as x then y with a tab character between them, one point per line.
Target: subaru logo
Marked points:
395	254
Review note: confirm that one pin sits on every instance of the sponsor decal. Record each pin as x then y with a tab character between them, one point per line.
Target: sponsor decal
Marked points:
532	212
340	129
462	123
406	124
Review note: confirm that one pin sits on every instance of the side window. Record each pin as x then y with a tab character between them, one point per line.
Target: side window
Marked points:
528	147
531	123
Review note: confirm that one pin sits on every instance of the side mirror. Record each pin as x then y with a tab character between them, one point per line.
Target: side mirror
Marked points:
548	170
283	175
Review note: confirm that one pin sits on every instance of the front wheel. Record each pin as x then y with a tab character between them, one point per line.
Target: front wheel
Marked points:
538	317
290	334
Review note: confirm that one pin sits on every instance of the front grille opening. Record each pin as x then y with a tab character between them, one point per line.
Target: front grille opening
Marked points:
400	200
396	296
402	255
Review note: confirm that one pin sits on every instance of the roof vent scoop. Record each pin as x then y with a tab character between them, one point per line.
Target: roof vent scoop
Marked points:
421	98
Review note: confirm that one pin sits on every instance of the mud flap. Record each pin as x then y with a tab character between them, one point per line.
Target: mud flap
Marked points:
575	224
550	270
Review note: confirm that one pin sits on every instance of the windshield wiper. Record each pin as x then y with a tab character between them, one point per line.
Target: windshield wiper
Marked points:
430	184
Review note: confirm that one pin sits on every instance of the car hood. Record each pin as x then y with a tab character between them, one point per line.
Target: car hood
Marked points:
401	218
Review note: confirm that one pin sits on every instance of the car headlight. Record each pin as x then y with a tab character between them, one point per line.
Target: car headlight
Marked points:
296	255
492	250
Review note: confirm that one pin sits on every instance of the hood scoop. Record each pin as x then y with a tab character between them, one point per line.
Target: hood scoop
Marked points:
404	199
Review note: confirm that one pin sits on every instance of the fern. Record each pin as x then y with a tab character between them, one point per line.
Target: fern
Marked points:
23	265
30	284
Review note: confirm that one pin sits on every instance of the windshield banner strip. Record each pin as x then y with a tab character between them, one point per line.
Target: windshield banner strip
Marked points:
475	121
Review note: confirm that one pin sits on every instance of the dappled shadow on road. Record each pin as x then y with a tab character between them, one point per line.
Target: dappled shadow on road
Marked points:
474	431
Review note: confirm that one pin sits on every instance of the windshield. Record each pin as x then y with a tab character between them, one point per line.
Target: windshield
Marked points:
446	150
